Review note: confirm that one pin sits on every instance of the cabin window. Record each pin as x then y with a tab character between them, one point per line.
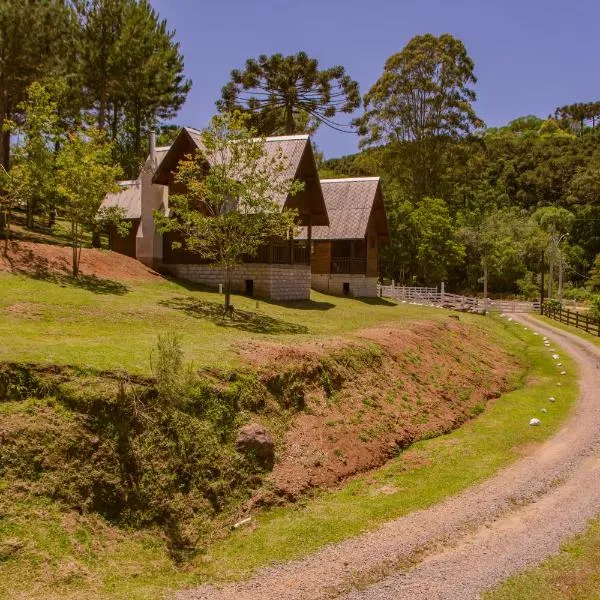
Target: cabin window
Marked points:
249	287
346	288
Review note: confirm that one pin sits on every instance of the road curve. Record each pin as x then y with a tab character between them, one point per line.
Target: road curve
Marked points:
472	540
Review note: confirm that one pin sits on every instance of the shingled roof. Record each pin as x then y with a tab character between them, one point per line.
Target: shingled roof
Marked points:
350	203
129	198
296	150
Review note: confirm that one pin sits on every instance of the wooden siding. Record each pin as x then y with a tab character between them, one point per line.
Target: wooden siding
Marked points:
124	245
321	257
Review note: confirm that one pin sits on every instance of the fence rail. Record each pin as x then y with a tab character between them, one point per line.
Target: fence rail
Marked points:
431	296
573	318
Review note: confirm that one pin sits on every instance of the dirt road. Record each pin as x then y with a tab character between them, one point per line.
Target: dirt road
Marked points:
472	540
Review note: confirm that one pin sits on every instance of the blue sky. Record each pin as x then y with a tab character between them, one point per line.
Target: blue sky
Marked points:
530	55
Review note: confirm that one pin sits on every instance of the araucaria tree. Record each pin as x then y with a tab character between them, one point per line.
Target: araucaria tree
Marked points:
289	94
85	174
229	207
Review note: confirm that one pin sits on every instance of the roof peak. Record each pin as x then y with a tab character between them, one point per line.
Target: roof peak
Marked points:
286	138
348	179
271	138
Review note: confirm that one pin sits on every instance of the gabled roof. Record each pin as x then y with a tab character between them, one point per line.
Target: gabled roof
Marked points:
296	150
130	197
350	204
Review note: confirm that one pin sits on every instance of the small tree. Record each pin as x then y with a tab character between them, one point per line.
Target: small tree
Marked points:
85	174
229	208
34	156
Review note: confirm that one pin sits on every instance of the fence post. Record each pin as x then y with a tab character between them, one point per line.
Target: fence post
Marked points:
442	292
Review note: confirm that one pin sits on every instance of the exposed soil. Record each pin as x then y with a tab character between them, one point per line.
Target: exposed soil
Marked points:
365	402
472	540
52	261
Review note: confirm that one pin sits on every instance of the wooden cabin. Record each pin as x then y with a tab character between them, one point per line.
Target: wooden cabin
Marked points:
280	271
345	254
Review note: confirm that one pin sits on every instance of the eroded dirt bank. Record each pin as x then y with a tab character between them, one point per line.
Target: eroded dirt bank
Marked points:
472	540
363	402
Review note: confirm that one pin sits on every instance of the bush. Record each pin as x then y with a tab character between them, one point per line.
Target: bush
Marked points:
552	304
576	293
595	306
154	453
529	287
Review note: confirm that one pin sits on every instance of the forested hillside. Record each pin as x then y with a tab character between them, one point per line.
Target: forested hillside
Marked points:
462	197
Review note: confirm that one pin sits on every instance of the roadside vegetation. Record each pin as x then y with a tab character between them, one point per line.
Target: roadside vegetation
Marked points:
571	575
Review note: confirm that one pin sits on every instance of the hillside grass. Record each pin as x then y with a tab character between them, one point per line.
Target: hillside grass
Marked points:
46	552
117	326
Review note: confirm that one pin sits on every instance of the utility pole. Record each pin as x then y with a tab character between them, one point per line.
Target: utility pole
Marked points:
542	283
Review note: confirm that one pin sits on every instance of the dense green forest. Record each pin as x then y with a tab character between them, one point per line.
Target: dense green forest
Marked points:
464	199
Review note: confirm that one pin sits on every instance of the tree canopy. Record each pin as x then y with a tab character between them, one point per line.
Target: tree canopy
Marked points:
289	94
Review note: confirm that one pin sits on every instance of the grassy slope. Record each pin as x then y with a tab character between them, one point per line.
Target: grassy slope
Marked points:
110	330
63	555
573	574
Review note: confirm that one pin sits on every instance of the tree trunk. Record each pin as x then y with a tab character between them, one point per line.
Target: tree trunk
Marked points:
550	276
4	147
560	277
289	120
227	290
29	222
485	289
75	243
96	240
6	228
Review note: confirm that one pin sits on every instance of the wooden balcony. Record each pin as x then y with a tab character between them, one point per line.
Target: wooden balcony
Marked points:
348	266
282	253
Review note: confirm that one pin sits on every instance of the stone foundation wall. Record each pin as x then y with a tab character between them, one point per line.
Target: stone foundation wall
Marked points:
360	285
277	282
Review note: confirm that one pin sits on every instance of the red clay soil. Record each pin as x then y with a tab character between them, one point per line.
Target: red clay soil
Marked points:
50	260
431	377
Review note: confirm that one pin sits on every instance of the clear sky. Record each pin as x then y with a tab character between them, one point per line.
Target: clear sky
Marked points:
530	55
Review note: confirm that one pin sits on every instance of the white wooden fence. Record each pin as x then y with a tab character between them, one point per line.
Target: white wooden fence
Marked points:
433	297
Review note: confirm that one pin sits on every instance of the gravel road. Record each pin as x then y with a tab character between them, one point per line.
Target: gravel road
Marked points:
472	540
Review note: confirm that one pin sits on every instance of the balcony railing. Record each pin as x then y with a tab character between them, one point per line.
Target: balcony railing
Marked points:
349	266
280	253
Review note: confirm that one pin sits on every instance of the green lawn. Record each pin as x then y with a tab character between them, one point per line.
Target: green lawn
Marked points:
115	325
64	555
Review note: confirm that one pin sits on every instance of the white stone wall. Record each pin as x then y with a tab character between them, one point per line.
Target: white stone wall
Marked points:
278	282
360	285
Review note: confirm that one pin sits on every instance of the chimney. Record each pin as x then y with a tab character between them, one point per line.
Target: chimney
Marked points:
153	149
